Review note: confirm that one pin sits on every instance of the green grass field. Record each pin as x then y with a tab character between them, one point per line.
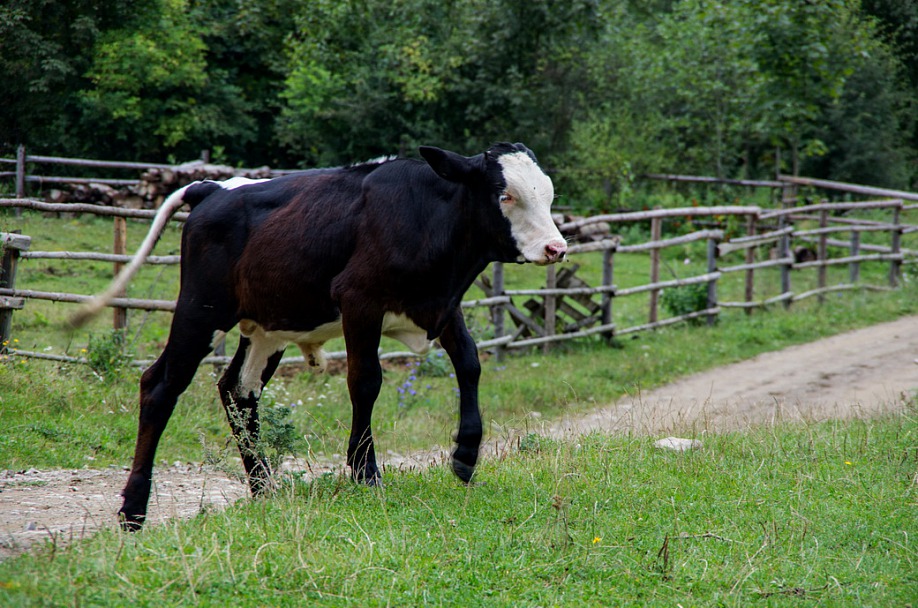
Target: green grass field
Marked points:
806	515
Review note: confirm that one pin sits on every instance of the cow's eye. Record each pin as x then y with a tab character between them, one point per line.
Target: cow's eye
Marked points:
506	198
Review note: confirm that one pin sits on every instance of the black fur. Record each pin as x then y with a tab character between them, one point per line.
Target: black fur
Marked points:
292	253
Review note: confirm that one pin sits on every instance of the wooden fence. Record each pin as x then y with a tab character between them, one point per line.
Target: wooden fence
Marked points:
567	307
22	176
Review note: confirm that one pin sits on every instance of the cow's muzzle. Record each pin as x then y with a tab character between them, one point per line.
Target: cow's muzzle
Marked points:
555	251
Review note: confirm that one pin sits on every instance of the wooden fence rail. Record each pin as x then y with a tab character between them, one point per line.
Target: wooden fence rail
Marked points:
567	308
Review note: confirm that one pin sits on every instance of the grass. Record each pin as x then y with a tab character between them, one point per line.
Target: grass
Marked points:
820	513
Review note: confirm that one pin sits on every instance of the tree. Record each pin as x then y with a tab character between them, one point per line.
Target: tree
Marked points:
245	47
153	94
867	131
373	77
43	56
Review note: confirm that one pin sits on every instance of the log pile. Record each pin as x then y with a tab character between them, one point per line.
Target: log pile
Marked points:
151	190
582	234
91	193
157	184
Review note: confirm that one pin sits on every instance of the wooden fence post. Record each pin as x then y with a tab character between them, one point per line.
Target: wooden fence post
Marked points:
712	284
895	266
551	282
12	244
750	259
788	199
656	233
497	311
854	268
119	247
822	254
608	276
20	176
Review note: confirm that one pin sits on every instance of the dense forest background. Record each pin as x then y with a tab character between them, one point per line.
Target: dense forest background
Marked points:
602	90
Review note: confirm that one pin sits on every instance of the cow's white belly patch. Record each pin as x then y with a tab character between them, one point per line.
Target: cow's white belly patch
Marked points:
263	344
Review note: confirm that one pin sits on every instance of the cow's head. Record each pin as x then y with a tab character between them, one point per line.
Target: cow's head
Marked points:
511	179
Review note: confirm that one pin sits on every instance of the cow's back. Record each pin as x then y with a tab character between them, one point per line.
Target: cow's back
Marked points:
293	250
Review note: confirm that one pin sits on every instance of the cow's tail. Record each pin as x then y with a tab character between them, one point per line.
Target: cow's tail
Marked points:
93	307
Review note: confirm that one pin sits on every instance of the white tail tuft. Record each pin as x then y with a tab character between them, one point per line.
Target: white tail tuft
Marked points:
93	307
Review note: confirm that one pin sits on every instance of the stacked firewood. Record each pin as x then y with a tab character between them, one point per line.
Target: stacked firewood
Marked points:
157	184
92	193
582	234
154	186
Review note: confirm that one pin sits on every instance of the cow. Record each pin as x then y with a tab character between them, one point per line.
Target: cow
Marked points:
387	247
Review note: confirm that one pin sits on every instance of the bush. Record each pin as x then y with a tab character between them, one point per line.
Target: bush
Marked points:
107	355
686	299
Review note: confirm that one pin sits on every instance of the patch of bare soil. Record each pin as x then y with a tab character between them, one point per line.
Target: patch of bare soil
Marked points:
58	506
856	374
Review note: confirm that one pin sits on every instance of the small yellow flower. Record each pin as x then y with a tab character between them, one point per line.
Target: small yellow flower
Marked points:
15	340
848	462
597	540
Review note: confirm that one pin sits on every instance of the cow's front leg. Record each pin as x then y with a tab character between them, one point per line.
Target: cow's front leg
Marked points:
463	353
364	379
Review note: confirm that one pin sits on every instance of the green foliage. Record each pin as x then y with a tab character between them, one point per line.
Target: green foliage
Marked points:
277	436
152	88
377	77
45	48
602	90
686	299
435	364
108	355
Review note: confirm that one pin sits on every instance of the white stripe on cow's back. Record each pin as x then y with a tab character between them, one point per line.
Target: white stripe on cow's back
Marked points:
263	344
236	182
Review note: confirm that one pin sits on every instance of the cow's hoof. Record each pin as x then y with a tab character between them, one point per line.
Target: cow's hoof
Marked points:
368	478
463	471
262	486
131	523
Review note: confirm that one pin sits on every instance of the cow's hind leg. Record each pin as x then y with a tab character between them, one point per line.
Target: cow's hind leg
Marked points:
463	353
160	387
240	388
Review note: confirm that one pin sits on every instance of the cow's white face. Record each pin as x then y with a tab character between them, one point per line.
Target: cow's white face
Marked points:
526	203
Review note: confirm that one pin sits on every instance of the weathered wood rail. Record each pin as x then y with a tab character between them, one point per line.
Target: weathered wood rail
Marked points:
566	307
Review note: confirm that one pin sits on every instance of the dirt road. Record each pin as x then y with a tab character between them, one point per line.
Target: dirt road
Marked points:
860	373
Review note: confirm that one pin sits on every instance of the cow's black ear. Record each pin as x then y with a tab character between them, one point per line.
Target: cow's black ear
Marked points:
522	148
448	165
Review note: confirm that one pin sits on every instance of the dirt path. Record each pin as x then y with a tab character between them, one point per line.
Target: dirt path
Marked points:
860	373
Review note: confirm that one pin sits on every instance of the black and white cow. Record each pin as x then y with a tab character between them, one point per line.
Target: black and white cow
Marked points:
383	248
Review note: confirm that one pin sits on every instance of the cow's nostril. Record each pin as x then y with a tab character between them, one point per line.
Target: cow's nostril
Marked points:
555	251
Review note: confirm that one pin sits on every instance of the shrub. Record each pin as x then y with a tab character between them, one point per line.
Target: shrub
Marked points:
107	355
686	299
